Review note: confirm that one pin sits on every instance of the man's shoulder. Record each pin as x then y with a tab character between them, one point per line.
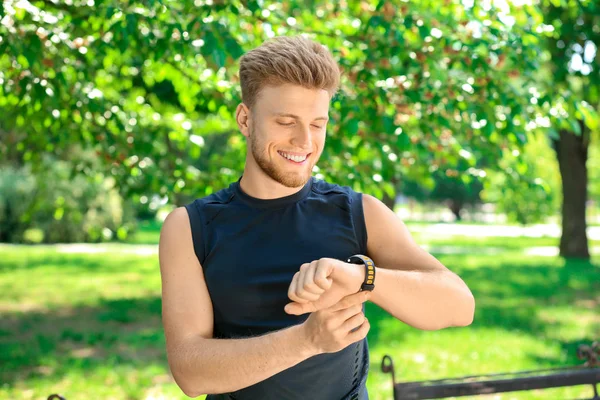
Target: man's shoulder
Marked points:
222	196
324	187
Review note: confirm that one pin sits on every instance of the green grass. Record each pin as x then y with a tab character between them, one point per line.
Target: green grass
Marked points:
501	243
531	313
88	325
148	232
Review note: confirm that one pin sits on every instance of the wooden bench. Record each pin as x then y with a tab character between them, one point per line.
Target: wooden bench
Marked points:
588	373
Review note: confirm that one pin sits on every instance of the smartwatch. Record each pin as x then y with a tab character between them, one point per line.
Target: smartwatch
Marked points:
369	283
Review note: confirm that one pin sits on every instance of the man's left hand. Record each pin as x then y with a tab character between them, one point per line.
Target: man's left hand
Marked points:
321	284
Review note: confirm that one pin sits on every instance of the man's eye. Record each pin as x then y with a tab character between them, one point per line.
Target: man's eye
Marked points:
317	126
282	124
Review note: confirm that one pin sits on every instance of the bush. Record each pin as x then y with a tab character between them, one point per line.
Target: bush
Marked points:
17	194
63	205
527	186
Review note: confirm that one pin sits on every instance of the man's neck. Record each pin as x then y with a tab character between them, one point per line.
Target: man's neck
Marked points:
255	183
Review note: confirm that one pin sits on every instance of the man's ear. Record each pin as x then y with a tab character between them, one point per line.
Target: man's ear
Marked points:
242	116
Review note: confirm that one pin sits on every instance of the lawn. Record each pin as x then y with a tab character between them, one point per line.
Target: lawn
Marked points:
148	233
87	325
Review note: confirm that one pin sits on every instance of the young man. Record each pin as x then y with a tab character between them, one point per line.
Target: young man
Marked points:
262	298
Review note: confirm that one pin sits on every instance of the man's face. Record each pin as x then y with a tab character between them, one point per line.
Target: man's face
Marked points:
287	128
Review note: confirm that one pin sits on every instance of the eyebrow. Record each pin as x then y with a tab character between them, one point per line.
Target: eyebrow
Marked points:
297	117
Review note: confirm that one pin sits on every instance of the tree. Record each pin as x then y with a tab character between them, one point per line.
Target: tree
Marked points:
573	98
526	187
456	188
151	86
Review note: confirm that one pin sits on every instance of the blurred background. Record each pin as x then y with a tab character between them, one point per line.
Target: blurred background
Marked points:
477	122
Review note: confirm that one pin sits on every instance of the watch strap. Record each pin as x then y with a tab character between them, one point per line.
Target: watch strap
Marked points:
369	282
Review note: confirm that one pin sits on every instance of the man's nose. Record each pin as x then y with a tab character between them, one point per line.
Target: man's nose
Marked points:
302	137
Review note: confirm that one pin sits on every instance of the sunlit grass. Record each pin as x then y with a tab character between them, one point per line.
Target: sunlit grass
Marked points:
149	232
88	325
531	313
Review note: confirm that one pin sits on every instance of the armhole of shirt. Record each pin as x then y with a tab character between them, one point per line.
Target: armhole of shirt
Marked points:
196	226
358	220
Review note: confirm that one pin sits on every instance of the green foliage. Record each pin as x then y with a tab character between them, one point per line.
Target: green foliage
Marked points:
457	191
457	187
594	172
528	188
54	205
152	86
569	78
17	195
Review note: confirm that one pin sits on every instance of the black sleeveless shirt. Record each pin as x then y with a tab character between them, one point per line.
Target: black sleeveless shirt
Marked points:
251	248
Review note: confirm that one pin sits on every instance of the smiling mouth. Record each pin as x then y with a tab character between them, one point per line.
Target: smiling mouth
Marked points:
296	159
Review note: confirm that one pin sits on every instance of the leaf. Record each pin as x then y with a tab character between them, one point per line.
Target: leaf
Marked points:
24	60
160	49
253	6
590	116
218	56
233	48
210	43
191	26
388	124
389	189
375	21
576	128
553	134
131	23
110	11
423	32
403	142
352	127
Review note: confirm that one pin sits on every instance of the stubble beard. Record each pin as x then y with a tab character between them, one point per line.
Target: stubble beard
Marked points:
287	179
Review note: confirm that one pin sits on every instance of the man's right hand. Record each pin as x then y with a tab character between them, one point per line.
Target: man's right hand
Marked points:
333	329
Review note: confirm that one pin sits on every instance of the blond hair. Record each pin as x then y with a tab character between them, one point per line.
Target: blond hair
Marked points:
288	59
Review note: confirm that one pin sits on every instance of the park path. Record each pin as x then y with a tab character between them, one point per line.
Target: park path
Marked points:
444	230
593	232
542	251
149	250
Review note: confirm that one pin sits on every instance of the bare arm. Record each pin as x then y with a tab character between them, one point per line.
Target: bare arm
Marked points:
199	363
411	284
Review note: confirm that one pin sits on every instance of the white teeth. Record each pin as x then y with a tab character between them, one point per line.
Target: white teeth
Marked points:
293	158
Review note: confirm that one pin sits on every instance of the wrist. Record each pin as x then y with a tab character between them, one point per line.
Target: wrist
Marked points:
368	274
358	277
305	344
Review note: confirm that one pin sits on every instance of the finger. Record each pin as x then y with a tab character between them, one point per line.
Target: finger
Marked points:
292	290
341	316
301	291
351	300
353	323
309	280
349	312
301	274
360	332
299	309
307	296
322	278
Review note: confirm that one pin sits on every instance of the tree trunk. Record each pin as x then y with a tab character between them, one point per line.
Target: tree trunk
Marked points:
572	153
388	201
456	207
